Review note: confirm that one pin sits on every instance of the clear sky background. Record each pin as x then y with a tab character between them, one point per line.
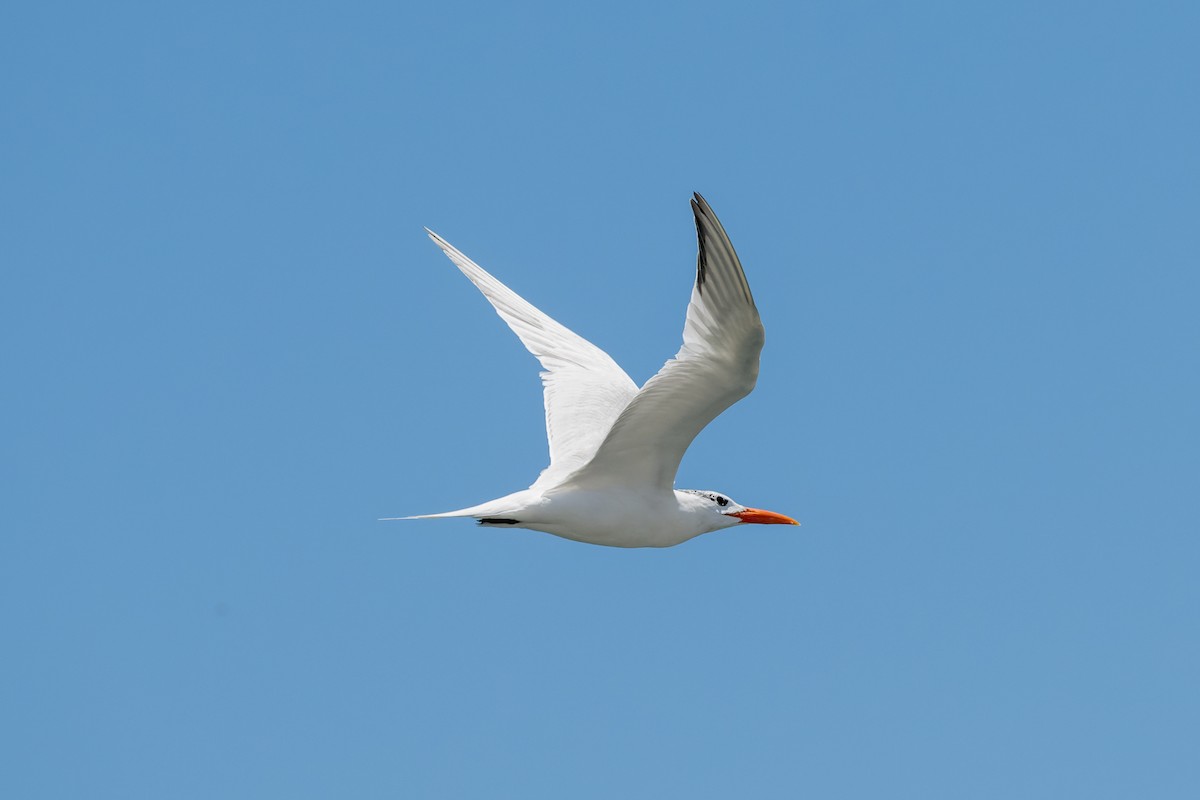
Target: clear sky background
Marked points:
228	348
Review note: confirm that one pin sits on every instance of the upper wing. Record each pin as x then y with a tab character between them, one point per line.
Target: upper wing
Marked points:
716	367
584	389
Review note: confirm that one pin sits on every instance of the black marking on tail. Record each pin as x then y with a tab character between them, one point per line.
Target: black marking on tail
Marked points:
497	521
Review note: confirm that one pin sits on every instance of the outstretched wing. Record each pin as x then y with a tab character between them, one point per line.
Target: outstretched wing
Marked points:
584	389
716	367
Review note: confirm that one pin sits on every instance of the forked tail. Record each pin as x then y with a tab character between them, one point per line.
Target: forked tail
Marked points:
501	511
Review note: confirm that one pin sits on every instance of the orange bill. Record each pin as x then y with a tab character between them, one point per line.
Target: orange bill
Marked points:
764	517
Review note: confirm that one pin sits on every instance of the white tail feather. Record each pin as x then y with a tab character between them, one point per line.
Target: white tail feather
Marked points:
500	507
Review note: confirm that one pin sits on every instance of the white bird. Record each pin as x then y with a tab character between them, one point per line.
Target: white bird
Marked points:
615	449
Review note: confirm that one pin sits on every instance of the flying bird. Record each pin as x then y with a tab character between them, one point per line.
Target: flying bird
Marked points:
614	448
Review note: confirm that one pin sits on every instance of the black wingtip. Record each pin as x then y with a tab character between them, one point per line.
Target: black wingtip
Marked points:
707	225
699	209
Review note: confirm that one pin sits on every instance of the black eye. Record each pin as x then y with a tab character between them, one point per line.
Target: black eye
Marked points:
722	501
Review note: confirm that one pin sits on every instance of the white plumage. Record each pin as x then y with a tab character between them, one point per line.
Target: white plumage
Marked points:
615	449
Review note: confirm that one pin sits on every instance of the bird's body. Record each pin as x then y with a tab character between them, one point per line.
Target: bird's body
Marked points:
639	519
615	449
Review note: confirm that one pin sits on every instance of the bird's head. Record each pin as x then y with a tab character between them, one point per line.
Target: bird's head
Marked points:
719	511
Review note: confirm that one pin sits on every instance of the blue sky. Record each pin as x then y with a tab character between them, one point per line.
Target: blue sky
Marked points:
228	348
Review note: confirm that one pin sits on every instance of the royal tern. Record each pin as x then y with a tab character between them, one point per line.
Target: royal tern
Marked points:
615	449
